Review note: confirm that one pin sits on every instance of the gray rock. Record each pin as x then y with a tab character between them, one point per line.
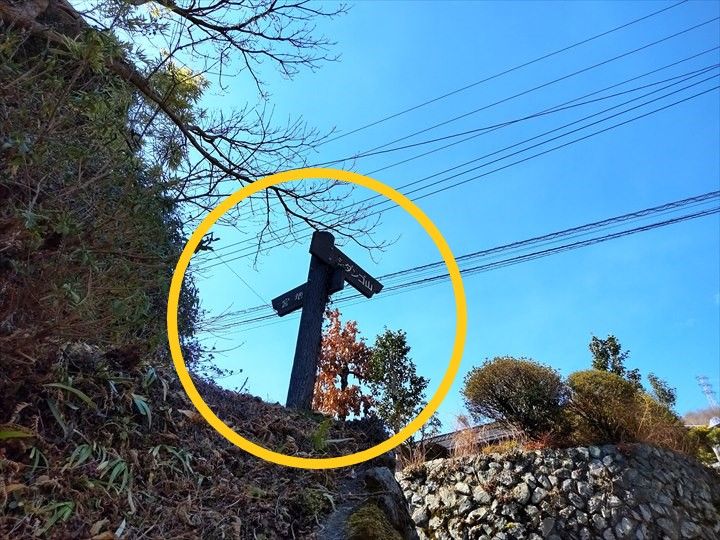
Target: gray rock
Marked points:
593	493
433	503
521	493
506	478
420	517
510	510
529	479
576	500
566	511
625	528
481	496
544	481
464	505
596	468
447	496
608	535
594	503
476	515
582	453
688	529
599	522
532	511
547	526
658	509
435	523
585	490
538	495
668	528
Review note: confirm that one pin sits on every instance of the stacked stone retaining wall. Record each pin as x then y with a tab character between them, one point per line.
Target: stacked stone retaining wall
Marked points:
633	492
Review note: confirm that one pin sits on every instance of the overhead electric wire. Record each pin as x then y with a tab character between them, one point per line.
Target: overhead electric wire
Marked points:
574	233
563	107
490	129
652	211
502	73
635	118
372	151
219	258
244	252
348	301
568	132
533	89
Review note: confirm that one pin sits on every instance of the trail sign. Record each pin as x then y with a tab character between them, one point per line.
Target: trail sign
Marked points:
293	299
330	268
354	275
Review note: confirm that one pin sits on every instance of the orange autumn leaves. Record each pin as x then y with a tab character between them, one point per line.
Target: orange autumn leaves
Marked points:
342	354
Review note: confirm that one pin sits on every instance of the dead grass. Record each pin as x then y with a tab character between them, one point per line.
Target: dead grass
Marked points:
657	426
96	449
464	440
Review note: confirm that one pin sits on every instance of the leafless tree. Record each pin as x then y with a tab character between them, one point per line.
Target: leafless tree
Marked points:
169	52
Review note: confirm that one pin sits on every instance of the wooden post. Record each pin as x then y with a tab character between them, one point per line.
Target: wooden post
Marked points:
330	268
307	348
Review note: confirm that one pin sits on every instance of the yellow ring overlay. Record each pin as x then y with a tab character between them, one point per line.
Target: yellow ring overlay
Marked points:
460	311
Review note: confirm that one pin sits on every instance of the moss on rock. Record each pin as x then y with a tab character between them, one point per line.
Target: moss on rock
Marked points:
370	523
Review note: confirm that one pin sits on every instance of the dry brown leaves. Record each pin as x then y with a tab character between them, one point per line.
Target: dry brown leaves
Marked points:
100	472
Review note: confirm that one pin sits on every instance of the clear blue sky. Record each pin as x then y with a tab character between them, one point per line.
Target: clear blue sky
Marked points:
658	291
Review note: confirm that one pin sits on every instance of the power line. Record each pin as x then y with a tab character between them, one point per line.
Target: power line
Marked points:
372	151
347	301
614	126
489	129
559	108
244	252
253	315
588	227
262	299
502	73
533	89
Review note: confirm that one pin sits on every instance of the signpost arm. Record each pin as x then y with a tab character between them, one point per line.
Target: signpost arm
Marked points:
307	349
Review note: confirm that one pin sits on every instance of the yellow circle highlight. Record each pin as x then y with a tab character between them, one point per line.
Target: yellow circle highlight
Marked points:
460	310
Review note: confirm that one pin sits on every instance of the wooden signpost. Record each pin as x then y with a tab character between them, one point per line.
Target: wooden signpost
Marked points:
330	268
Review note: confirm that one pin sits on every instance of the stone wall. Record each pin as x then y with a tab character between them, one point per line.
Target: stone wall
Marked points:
612	492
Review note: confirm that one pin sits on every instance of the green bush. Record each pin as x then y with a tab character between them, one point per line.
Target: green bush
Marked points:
602	407
607	408
518	391
704	438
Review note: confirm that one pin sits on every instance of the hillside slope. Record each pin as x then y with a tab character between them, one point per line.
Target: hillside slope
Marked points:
99	449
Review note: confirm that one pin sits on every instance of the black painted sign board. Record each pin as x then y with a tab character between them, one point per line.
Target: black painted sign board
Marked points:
293	299
358	278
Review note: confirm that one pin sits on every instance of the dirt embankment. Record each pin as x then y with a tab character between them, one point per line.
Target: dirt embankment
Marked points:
96	447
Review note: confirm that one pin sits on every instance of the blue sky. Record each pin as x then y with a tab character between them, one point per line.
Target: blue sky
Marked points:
658	292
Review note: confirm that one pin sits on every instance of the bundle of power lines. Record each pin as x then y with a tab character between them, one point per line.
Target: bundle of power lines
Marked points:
510	254
603	109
